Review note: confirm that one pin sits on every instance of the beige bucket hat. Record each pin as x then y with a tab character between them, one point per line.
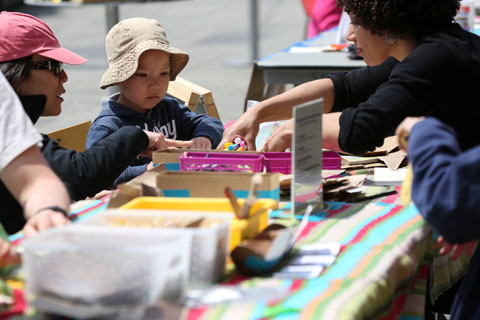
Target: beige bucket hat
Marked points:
127	40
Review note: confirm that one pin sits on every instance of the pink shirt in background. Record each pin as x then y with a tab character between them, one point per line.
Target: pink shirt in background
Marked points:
324	15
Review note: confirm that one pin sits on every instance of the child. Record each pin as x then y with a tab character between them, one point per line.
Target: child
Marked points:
445	189
142	62
31	58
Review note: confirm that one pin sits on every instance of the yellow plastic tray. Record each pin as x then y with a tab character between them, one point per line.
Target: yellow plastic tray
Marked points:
239	229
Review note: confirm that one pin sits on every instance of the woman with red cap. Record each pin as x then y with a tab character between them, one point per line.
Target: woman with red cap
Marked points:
31	58
26	174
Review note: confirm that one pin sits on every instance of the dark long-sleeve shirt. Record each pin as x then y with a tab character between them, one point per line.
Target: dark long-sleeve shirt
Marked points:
174	121
438	78
83	173
446	190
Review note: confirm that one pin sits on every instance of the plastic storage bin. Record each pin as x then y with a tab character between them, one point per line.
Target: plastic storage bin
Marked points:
209	248
239	229
226	162
107	268
281	162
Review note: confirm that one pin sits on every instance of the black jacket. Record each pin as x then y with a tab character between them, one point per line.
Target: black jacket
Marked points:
438	78
84	173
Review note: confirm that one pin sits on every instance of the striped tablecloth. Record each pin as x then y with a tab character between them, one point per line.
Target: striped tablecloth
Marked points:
387	253
380	273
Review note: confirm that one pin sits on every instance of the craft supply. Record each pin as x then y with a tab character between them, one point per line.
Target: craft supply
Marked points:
260	255
233	201
238	144
314	259
252	194
406	191
403	137
221	161
299	272
332	248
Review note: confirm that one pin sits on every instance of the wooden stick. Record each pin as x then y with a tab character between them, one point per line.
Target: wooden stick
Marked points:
233	201
252	194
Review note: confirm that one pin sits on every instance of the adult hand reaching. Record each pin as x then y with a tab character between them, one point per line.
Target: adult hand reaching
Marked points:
280	139
246	127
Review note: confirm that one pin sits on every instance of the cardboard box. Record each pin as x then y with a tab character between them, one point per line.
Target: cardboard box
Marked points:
213	184
73	137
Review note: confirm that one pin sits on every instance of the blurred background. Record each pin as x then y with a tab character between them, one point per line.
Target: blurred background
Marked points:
216	34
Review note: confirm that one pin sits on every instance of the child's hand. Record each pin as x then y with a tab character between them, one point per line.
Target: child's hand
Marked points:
44	220
158	142
455	250
403	131
280	139
201	143
8	255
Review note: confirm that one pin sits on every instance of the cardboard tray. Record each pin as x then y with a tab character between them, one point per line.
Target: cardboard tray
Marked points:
239	229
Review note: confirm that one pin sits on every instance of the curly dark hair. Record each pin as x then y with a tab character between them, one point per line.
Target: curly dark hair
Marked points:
16	71
400	17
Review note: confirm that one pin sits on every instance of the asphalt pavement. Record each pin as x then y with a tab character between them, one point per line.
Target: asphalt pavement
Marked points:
216	34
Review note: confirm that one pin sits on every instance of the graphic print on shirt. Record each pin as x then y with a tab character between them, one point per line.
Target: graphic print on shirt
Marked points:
169	130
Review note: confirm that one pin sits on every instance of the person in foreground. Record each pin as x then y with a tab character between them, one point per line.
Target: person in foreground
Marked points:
25	175
142	62
419	63
445	189
31	59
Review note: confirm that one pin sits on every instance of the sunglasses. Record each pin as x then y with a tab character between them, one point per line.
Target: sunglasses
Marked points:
55	66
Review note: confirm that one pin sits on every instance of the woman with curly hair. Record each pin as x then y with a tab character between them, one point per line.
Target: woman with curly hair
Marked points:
420	63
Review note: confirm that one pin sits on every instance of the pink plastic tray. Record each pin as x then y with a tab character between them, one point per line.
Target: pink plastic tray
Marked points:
281	162
230	162
331	160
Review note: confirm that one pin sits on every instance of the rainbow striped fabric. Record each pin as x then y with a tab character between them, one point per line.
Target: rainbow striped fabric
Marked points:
380	273
387	253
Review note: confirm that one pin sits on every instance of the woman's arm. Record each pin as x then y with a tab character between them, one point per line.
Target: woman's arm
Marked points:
95	169
35	186
281	139
278	108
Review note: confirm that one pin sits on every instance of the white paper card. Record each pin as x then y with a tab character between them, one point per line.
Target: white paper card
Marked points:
386	174
332	248
321	260
307	156
299	272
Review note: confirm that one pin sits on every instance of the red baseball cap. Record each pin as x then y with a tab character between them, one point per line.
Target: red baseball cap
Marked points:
22	35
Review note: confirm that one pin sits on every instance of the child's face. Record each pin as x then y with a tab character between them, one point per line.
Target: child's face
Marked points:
148	85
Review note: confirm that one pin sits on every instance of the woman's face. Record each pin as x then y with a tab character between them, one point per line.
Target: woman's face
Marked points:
373	48
45	82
